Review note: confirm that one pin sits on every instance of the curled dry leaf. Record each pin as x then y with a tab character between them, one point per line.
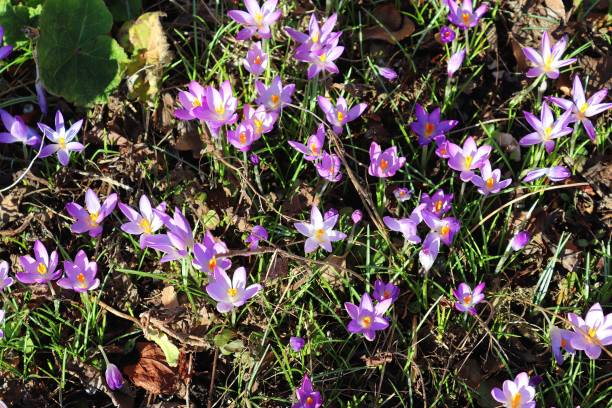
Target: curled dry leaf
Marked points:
152	373
391	25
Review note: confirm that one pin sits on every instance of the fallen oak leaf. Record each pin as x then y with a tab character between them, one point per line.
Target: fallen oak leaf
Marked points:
151	371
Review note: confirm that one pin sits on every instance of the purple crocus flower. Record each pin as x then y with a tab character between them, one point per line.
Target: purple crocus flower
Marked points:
442	147
220	107
519	241
296	343
429	251
356	216
402	194
465	16
258	233
555	173
546	128
454	62
447	34
406	226
548	60
384	164
329	167
231	293
561	339
489	180
443	228
313	149
439	203
367	318
307	397
276	96
591	333
384	291
114	379
4	50
468	299
60	139
319	231
515	394
318	37
242	137
332	212
581	108
323	60
256	60
468	158
208	256
5	280
340	115
90	219
428	125
193	103
145	222
177	242
80	274
18	131
387	73
256	20
261	120
41	268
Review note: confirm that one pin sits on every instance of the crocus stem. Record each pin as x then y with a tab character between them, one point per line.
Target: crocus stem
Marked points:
461	191
233	317
55	299
103	354
467	42
424	155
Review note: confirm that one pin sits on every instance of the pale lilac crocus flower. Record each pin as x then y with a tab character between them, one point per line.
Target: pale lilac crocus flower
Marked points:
276	96
442	147
307	397
428	125
340	115
384	163
443	228
454	62
80	274
60	139
113	376
18	131
383	291
402	194
560	340
329	167
258	233
548	60
387	73
467	299
41	268
208	256
231	293
261	120
6	49
406	226
256	60
256	20
323	60
90	218
332	212
547	129
242	137
447	34
366	318
581	108
593	332
5	280
439	203
465	16
468	158
177	242
319	231
313	149
519	240
145	222
220	107
193	103
515	394
296	343
429	251
555	173
489	180
318	37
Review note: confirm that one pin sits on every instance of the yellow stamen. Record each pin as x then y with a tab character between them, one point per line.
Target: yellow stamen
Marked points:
467	299
314	148
258	125
232	292
465	17
516	400
93	219
62	143
429	128
319	234
196	103
384	164
592	332
81	279
220	109
468	162
258	60
366	322
340	116
42	268
275	99
212	264
315	38
490	183
584	107
145	225
438	205
259	19
547	133
445	230
323	57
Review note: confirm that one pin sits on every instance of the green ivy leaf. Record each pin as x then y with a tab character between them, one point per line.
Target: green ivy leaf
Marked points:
123	10
77	58
13	19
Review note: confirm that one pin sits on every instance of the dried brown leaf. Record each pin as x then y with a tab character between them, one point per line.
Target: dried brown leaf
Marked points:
169	298
557	7
152	373
395	26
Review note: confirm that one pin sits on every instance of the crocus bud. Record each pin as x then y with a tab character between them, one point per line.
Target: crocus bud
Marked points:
254	159
297	343
357	216
520	240
330	213
114	379
454	62
387	73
